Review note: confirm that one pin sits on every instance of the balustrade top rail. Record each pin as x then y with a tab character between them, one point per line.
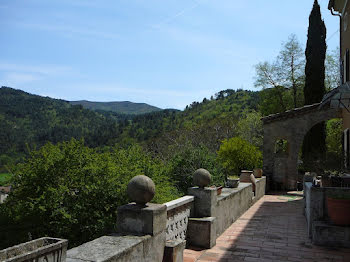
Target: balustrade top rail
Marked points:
179	202
178	212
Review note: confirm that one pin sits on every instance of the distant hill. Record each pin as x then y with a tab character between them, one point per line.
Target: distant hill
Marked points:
123	107
224	108
29	121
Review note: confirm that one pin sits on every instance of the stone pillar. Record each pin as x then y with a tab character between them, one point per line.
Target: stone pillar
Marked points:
140	217
144	219
141	230
204	201
141	220
173	251
202	229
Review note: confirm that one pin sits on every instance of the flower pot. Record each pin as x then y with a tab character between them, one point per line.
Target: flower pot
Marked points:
219	190
41	249
245	176
232	182
339	211
257	172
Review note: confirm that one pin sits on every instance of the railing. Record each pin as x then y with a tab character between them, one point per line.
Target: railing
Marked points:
155	232
178	212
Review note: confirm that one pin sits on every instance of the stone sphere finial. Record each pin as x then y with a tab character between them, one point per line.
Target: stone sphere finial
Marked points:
141	189
201	178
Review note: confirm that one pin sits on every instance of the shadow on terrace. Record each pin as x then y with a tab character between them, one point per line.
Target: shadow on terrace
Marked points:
274	229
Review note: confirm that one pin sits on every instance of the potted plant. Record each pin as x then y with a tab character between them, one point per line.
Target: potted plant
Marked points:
232	181
339	209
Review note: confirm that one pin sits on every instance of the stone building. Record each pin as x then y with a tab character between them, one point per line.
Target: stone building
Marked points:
287	130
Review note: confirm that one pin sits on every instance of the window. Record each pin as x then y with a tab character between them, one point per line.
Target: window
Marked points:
281	147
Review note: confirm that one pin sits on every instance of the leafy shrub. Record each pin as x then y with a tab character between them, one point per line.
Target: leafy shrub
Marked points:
5	179
236	154
72	191
189	159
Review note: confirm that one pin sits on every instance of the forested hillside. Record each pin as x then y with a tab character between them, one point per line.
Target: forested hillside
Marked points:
29	121
123	107
205	122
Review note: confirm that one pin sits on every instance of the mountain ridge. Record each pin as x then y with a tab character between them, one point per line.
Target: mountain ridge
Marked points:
121	107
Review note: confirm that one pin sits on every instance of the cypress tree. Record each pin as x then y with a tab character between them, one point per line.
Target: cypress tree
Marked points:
314	145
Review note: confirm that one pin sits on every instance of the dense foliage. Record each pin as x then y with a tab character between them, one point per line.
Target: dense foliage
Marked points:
190	158
69	190
5	179
124	107
29	121
236	154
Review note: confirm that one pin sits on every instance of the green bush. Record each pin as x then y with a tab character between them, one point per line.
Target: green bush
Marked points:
71	191
5	179
189	159
236	154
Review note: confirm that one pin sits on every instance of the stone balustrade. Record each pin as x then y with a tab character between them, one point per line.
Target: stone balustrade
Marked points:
154	232
178	212
213	213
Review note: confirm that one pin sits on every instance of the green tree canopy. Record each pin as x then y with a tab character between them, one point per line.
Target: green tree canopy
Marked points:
237	154
71	191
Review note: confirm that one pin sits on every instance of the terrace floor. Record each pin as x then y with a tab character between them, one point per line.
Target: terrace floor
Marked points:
274	229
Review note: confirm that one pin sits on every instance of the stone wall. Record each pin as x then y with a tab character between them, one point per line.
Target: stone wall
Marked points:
141	237
320	229
214	214
120	248
44	249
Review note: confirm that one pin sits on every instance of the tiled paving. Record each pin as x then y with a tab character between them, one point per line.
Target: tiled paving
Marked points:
274	229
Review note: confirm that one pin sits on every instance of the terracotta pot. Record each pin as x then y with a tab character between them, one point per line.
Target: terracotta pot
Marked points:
339	211
219	190
245	176
232	183
257	172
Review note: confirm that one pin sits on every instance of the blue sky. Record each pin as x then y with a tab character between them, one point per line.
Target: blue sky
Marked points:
163	52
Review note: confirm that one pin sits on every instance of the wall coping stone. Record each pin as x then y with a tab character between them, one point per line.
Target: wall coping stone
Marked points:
228	192
179	202
105	248
33	249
